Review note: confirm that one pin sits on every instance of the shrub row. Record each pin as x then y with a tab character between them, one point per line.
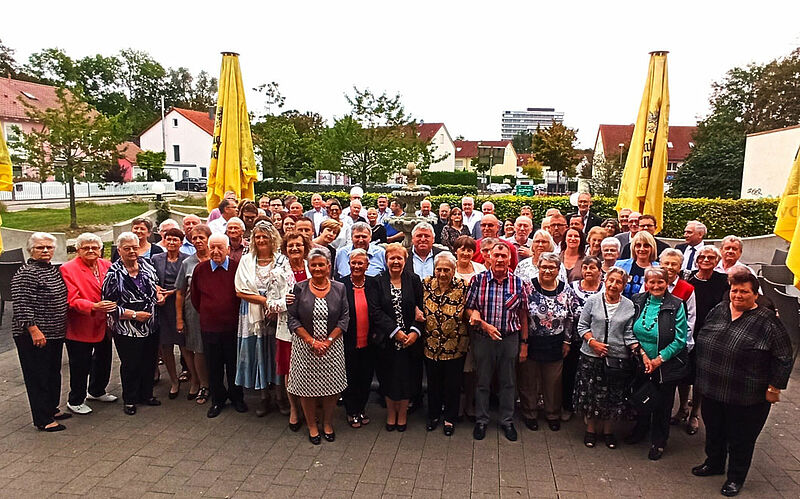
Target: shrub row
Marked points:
452	178
464	190
743	217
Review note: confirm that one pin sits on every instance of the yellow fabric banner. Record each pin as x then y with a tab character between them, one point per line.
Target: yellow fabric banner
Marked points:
6	174
642	185
786	227
233	164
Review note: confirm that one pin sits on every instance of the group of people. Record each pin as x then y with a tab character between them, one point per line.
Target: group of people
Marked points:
580	315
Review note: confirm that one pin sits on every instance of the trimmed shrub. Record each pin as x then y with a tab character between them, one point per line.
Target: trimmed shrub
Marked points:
453	178
438	190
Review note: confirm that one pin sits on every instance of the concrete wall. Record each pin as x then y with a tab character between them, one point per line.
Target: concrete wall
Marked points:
15	238
768	159
758	249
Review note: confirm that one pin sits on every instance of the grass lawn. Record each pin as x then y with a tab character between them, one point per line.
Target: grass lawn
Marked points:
91	217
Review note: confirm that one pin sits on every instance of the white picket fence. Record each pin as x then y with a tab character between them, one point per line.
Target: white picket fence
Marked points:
58	190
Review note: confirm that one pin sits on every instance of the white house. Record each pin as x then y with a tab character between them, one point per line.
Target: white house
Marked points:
437	135
768	159
186	139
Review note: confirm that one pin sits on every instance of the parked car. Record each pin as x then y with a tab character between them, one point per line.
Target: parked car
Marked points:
192	184
499	187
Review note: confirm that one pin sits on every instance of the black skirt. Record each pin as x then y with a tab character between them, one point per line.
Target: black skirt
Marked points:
596	396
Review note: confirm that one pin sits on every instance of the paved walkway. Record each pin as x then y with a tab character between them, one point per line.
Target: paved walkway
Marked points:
175	450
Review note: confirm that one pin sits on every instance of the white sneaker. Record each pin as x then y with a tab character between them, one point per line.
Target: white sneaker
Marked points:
106	397
79	409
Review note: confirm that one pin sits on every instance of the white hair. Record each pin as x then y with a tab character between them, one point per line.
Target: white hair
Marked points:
611	241
356	192
219	237
236	221
524	218
444	255
421	226
87	237
732	239
127	236
43	236
671	252
359	252
168	223
700	226
467	198
361	227
488	203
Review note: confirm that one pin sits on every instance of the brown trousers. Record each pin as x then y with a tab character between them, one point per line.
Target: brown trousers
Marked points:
534	378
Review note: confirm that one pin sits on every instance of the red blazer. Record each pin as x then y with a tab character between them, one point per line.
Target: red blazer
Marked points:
83	291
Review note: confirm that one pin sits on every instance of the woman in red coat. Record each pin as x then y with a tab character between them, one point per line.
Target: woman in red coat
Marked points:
88	345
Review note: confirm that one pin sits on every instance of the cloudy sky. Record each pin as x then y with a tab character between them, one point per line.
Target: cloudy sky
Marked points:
462	63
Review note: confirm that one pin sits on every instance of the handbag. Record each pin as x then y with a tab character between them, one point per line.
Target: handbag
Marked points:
645	397
616	368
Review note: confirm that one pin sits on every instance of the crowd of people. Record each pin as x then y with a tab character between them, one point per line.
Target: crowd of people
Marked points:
573	314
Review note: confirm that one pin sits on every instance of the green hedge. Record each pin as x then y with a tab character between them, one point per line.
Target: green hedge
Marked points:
742	217
464	190
453	178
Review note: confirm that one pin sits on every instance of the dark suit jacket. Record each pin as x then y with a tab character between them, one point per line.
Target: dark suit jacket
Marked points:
378	233
409	268
301	311
382	321
591	220
369	291
681	247
437	230
159	261
626	251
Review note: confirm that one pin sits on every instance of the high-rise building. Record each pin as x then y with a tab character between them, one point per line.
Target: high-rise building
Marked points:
514	122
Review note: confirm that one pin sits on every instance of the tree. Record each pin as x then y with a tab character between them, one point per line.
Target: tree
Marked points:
533	169
374	140
277	144
72	141
8	63
555	148
522	142
153	164
272	95
606	175
751	99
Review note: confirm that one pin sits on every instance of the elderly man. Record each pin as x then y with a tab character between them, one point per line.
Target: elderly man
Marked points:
470	217
356	193
731	254
189	223
296	209
487	208
622	218
497	310
523	227
383	209
444	219
235	232
217	212
425	209
646	223
693	234
378	230
213	295
392	234
227	209
361	235
558	229
163	228
633	228
317	213
420	260
584	211
490	226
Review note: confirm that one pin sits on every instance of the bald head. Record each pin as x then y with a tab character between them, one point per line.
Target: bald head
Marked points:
490	226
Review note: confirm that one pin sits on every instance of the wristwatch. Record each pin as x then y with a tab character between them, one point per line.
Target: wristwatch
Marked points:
134	315
330	339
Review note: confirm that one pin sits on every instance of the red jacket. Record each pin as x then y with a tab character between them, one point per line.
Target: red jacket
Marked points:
83	291
478	256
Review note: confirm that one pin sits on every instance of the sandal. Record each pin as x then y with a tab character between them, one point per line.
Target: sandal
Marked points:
184	376
589	439
202	395
354	421
611	440
692	425
364	418
680	417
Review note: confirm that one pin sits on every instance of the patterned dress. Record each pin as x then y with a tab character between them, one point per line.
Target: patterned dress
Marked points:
312	375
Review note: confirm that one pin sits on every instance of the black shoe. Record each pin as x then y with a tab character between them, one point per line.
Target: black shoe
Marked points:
62	416
153	401
479	432
214	410
391	427
330	437
731	488
510	432
432	425
51	429
240	406
611	440
295	427
402	427
448	429
532	424
316	440
635	437
554	424
173	395
655	453
706	470
129	409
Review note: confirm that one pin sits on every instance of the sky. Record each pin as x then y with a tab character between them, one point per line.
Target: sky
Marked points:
462	63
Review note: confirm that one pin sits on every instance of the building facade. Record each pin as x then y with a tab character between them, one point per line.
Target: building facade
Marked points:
514	122
186	140
768	160
500	153
443	147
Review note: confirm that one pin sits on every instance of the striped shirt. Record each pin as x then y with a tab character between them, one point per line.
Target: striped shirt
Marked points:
137	294
40	299
498	301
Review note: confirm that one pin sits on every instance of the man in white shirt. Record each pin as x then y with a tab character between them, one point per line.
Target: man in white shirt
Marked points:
731	254
227	210
468	214
693	234
317	213
356	193
384	213
523	227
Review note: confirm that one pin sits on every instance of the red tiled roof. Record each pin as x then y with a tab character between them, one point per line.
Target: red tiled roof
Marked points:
426	131
680	136
199	118
11	90
522	159
466	148
129	151
494	143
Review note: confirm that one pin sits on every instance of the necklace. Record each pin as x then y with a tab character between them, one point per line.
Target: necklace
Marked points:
96	272
359	286
644	313
321	288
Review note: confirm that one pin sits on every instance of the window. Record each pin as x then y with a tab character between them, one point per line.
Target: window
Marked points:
185	174
669	144
202	172
29	95
672	167
176	153
174	122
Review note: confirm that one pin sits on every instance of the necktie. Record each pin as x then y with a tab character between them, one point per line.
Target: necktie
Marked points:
690	261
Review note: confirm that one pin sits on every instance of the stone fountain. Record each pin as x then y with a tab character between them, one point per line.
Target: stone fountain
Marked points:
410	196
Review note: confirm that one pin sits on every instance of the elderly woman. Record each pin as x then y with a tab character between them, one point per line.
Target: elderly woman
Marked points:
187	320
132	283
454	229
88	346
446	340
744	358
262	284
609	252
552	309
359	353
289	222
573	249
143	228
508	229
328	232
594	238
318	316
162	230
394	328
605	329
167	266
542	243
39	327
611	225
465	268
643	248
660	328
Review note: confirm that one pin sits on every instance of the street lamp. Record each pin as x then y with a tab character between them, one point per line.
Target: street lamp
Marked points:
621	146
158	189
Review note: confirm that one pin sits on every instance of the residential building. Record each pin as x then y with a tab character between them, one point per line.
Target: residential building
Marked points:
128	162
514	122
443	147
611	140
768	160
500	153
187	139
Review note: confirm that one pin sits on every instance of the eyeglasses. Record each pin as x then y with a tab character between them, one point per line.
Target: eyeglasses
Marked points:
548	269
705	257
42	248
646	226
90	248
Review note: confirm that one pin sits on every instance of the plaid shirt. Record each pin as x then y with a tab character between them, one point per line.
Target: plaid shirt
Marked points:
737	360
499	302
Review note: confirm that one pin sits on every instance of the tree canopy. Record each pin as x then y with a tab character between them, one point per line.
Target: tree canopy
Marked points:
554	147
